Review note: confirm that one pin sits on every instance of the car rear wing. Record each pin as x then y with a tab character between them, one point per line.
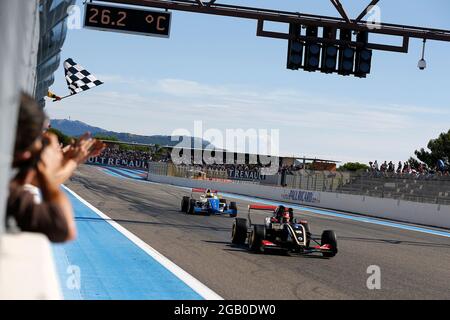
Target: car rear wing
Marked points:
258	207
264	207
202	190
261	207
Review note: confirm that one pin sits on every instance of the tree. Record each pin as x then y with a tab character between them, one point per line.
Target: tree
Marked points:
353	166
105	137
125	147
142	148
438	148
131	147
158	152
62	138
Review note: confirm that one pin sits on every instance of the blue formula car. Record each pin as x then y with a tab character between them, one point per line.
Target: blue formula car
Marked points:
208	203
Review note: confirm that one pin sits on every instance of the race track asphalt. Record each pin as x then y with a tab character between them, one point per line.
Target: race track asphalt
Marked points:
413	265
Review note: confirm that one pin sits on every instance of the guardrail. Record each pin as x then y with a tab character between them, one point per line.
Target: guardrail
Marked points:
422	188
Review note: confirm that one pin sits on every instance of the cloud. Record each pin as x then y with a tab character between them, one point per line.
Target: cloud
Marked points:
185	88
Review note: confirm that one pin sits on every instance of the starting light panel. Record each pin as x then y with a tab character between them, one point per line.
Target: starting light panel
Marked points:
295	49
327	54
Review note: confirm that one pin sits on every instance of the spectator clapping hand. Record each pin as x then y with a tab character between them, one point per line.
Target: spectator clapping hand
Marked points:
76	153
79	151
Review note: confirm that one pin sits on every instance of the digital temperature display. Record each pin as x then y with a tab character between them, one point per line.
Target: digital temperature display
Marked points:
138	21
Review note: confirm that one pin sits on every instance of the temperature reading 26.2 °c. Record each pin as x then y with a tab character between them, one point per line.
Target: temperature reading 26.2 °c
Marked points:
120	19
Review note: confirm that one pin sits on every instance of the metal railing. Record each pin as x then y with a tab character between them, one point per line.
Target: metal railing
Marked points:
418	188
329	181
422	188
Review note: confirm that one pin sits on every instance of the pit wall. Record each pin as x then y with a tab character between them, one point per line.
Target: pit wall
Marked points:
406	211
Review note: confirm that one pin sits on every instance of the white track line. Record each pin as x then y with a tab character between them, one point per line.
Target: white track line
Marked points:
188	279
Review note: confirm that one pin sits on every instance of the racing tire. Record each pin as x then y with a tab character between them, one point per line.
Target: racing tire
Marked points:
233	206
191	206
221	200
256	237
239	231
329	237
185	204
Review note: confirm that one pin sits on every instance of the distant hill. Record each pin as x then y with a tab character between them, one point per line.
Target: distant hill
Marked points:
76	128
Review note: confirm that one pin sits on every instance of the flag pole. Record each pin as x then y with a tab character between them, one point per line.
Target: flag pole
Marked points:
69	95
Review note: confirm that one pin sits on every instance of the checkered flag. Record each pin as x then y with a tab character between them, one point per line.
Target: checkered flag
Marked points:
78	79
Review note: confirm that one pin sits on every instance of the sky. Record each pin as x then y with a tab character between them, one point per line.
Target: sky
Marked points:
215	70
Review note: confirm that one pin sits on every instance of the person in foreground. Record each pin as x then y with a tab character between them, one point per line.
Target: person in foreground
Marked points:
36	203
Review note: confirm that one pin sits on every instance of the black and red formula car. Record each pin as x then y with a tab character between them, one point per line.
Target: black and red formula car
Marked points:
281	231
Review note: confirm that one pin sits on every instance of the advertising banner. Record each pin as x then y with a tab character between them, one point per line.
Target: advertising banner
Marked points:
250	175
118	162
301	196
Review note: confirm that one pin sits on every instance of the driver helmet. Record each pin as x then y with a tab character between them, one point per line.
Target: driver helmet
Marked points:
279	212
286	216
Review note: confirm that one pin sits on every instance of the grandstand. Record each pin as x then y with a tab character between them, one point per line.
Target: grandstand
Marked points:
431	188
164	154
294	172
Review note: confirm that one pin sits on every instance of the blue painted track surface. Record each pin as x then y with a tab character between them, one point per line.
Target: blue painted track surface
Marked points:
118	172
111	266
129	173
